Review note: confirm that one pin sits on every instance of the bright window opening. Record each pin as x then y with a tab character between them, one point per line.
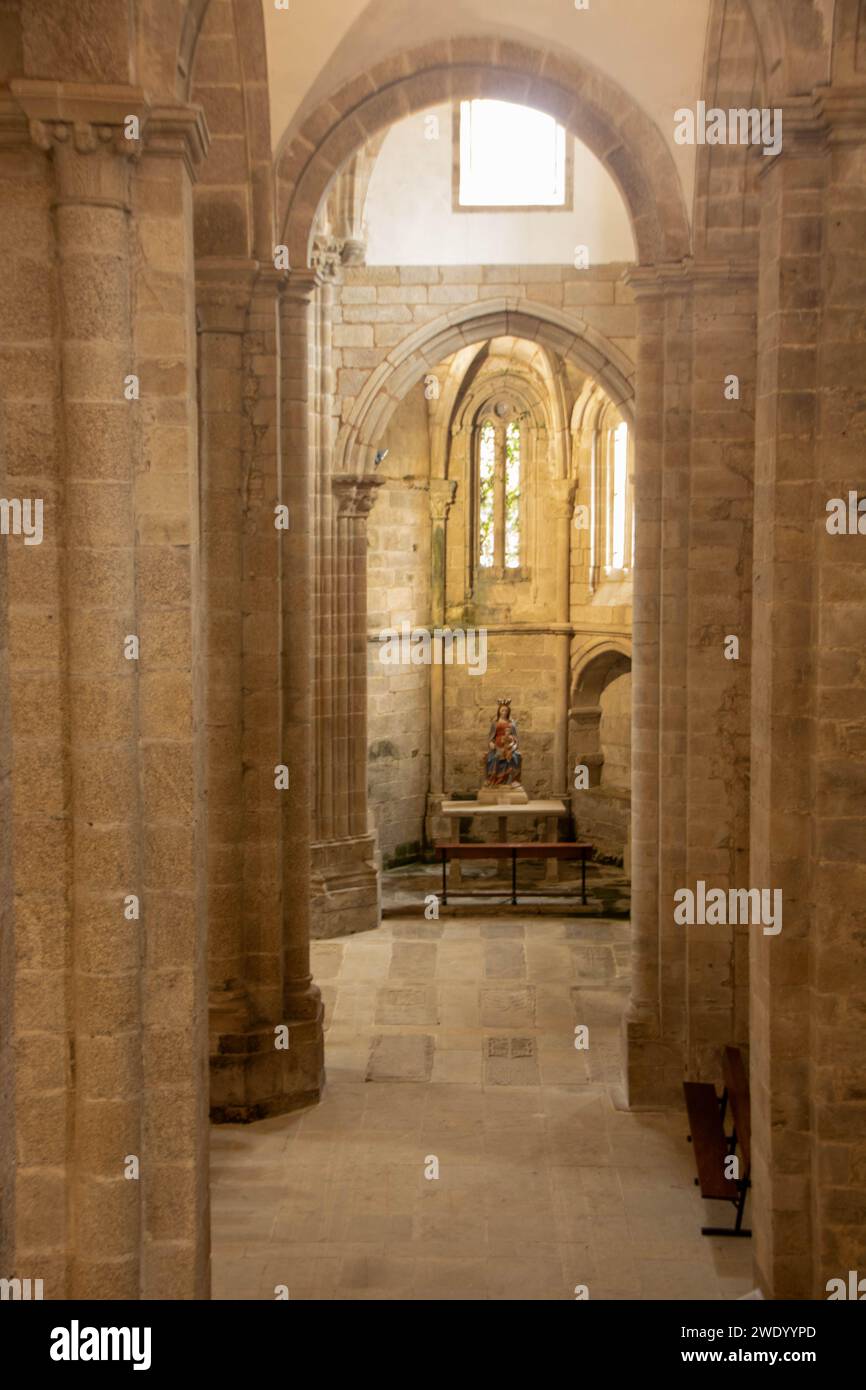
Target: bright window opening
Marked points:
486	486
510	156
512	497
618	498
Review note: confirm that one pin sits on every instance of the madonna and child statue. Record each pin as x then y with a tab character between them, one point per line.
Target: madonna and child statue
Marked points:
503	761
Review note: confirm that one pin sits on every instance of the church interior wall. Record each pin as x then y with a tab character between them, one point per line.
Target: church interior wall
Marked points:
398	591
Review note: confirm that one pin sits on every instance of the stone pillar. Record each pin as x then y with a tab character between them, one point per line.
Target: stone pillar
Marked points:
36	1085
654	1066
562	504
135	989
223	293
442	494
303	1063
346	877
250	1077
93	241
838	968
721	468
808	982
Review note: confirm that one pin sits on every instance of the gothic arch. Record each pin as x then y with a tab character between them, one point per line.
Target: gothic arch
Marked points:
588	103
405	365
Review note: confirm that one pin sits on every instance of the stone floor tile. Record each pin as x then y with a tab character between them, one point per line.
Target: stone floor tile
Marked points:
455	1040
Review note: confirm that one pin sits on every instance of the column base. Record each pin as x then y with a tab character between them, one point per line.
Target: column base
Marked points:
250	1077
345	892
654	1068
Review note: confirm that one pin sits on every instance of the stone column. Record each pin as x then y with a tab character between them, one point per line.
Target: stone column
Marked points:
170	714
136	982
345	868
650	1062
562	492
724	302
250	1078
36	1085
838	967
302	1064
223	293
808	982
442	494
93	242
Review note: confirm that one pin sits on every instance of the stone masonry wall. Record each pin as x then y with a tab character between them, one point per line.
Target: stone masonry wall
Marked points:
398	590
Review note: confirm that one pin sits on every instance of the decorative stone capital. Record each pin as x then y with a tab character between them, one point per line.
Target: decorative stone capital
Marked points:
442	494
72	120
355	493
327	257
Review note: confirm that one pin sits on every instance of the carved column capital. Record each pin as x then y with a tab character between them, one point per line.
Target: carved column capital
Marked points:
74	120
328	256
355	493
442	494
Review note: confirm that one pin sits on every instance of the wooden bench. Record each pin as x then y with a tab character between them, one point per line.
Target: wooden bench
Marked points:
535	849
713	1146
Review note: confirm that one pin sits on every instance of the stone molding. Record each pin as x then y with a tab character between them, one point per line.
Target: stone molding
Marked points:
224	289
355	495
442	494
87	117
680	277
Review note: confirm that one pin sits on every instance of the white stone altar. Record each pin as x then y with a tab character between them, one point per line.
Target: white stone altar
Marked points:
550	810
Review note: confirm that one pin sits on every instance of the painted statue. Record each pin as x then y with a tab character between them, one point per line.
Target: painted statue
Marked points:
503	754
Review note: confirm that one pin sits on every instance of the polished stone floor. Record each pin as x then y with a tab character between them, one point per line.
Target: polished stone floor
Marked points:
450	1049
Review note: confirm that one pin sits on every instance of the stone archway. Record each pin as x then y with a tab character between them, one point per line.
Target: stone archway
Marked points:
589	104
596	665
564	333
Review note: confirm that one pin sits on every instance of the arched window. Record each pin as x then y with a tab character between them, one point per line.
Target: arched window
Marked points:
618	556
499	493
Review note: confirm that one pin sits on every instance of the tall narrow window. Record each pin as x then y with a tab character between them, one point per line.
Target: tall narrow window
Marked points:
619	483
512	497
486	490
499	487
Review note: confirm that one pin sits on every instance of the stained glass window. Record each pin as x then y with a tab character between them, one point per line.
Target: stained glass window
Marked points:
486	489
512	497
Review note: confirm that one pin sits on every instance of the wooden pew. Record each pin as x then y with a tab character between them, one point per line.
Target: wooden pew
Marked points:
713	1146
535	849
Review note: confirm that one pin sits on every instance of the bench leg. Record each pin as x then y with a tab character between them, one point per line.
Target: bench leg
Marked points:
444	880
738	1224
583	880
514	878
